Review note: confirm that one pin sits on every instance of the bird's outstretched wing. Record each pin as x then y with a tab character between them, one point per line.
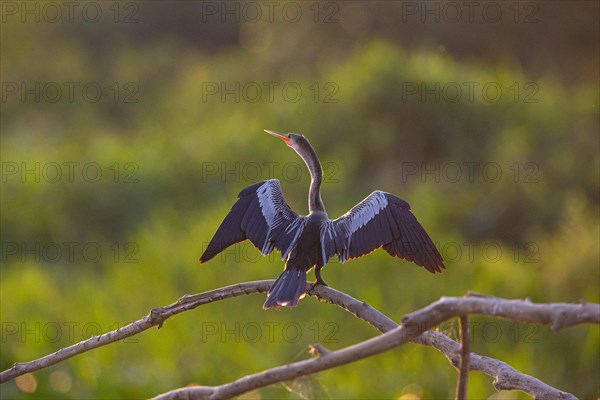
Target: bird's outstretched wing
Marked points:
261	215
380	220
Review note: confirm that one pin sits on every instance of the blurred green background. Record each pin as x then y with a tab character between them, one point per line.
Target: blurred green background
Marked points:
128	128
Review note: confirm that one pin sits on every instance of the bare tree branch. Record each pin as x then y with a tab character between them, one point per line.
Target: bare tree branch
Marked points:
414	324
329	359
505	377
156	317
558	315
462	388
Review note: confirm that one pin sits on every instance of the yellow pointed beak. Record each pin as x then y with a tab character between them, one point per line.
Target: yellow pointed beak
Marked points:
281	136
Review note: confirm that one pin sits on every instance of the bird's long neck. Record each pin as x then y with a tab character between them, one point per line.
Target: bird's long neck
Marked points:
316	174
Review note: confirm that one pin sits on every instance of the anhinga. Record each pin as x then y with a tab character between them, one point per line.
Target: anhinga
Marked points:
262	215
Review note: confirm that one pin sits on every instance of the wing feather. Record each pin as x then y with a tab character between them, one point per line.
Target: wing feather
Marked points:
380	220
261	215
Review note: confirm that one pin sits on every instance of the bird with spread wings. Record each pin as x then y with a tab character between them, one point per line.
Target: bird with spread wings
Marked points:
262	216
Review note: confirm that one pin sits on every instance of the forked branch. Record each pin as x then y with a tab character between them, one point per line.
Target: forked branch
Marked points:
415	328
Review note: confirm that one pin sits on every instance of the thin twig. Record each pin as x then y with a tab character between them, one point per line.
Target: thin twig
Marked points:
462	389
156	317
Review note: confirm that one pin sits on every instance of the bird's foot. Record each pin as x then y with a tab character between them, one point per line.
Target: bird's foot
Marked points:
319	281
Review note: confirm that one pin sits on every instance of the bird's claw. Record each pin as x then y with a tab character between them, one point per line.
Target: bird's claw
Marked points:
318	282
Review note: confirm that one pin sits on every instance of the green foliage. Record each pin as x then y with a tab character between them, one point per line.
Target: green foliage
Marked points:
531	233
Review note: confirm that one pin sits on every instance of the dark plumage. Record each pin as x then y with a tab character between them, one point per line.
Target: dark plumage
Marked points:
262	216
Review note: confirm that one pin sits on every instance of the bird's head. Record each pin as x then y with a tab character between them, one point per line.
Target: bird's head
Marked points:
293	140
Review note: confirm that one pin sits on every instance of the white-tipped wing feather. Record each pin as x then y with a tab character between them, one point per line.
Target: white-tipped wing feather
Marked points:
261	215
380	220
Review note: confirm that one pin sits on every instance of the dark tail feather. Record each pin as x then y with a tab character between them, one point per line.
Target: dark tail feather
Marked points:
287	289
